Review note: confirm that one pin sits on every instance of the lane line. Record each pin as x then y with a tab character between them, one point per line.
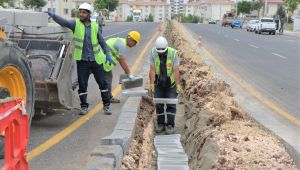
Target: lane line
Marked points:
236	40
253	46
253	92
117	33
78	123
278	55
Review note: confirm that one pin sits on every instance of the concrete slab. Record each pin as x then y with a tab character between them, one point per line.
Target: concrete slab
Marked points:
110	151
100	163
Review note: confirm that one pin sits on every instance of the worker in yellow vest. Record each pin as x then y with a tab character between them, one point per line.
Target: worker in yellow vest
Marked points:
164	82
90	53
117	49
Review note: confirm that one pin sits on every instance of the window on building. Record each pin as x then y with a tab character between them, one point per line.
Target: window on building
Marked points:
66	11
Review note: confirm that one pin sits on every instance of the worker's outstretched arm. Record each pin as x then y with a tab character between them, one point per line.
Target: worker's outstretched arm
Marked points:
63	22
103	43
124	65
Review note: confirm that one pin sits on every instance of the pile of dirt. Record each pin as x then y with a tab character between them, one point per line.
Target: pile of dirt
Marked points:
140	153
218	134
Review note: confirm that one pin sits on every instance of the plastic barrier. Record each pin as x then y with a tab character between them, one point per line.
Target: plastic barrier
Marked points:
14	124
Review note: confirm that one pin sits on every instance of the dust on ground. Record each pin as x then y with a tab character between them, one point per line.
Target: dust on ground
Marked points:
217	133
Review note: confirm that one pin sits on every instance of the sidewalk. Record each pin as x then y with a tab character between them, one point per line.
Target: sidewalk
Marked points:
291	33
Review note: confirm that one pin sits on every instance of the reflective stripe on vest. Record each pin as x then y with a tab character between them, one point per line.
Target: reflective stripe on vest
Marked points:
114	53
78	38
170	56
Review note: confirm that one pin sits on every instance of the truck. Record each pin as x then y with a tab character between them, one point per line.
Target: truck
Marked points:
266	24
227	19
36	62
137	14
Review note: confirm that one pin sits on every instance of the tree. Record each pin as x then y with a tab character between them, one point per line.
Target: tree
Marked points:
129	18
291	5
150	18
8	2
111	5
244	7
281	12
75	12
34	3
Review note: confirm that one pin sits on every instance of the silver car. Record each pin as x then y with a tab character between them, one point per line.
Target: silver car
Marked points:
251	25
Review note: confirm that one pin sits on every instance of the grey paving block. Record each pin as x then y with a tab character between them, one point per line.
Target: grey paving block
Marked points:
172	167
118	137
125	126
100	163
161	151
22	17
110	151
128	114
173	157
127	120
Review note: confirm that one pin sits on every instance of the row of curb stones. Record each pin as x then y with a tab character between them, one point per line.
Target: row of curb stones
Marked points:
109	154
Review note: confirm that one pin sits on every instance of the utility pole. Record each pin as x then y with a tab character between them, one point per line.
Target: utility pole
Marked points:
220	10
266	7
236	7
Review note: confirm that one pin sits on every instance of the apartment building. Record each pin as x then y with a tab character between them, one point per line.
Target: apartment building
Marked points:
159	9
206	9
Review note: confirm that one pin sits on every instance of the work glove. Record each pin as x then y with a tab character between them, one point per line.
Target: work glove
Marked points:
108	58
179	89
130	76
151	90
50	14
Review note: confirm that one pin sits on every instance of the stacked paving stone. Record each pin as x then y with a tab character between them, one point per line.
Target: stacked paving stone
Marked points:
170	153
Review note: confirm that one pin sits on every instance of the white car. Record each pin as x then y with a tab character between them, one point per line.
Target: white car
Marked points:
251	25
266	25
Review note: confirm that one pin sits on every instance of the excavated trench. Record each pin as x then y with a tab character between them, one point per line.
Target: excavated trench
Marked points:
216	132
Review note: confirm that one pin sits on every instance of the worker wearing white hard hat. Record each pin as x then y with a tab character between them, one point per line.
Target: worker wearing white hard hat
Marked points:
89	49
164	82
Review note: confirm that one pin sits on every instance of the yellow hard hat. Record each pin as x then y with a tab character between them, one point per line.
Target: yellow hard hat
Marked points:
136	36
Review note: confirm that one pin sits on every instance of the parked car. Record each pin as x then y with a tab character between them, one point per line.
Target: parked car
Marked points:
266	25
212	21
251	25
227	19
236	23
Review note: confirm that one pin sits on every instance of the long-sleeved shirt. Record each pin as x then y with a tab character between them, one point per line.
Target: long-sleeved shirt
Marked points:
87	50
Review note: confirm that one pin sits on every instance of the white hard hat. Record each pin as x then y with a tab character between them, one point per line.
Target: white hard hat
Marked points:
161	44
88	7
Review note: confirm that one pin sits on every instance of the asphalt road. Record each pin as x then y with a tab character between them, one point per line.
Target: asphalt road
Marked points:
73	151
269	63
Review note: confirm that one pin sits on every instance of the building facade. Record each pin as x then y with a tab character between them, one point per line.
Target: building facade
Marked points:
214	9
159	9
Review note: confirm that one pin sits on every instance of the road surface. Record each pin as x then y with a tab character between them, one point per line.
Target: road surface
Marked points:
269	63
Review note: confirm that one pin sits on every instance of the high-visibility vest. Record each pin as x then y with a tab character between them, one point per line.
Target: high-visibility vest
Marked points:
114	53
170	56
78	38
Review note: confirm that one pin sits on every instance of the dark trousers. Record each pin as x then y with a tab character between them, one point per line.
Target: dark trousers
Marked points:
109	82
84	69
281	29
168	92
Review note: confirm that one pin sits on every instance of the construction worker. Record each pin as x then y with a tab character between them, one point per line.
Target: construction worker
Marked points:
164	82
100	21
117	48
88	54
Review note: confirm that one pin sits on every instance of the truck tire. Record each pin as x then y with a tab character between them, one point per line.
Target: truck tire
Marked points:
16	76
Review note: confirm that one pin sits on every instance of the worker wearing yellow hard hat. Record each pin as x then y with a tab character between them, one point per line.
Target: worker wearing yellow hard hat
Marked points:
118	47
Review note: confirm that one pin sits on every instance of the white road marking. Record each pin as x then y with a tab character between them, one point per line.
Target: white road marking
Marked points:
236	40
253	46
278	55
117	33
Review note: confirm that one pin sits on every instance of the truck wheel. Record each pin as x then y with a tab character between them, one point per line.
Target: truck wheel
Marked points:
259	32
274	33
16	76
270	33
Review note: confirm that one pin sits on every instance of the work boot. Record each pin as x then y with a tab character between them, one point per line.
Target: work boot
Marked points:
107	110
84	110
169	130
159	128
114	100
